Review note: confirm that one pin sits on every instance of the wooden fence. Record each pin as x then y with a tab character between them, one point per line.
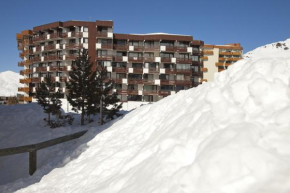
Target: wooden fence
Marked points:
32	149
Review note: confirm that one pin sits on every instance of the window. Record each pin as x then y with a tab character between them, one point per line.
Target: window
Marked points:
132	87
183	66
121	42
183	44
137	65
166	55
195	58
185	56
134	97
148	55
86	40
150	88
102	53
135	76
105	41
179	77
118	86
120	75
109	74
170	66
86	29
149	44
135	43
178	88
119	64
151	65
104	63
167	43
148	98
148	77
166	88
136	54
164	77
121	53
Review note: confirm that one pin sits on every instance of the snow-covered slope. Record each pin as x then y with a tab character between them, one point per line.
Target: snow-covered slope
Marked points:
226	136
9	83
278	49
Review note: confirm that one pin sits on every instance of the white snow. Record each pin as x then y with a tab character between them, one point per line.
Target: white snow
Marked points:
161	33
226	136
9	83
277	49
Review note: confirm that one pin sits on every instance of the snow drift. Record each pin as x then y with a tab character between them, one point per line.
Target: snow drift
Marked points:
9	83
228	136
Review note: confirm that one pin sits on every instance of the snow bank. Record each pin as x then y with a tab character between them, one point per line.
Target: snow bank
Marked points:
228	136
9	83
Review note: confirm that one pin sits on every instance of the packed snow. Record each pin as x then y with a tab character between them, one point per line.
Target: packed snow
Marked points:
9	83
226	136
277	49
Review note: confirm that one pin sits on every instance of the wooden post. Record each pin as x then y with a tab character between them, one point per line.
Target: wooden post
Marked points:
32	162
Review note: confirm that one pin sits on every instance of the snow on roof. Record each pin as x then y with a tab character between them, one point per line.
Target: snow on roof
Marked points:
161	33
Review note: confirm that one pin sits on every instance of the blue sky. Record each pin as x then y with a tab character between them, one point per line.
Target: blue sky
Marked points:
253	23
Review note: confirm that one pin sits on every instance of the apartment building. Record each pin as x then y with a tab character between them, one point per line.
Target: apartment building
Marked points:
219	57
145	67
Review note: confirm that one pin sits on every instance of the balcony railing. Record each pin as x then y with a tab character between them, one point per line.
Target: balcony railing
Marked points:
122	92
165	59
184	60
104	57
28	99
52	57
107	46
120	47
180	49
138	70
71	57
118	58
41	69
164	92
150	92
49	47
183	71
62	68
39	38
170	71
132	92
135	59
138	48
24	63
208	52
53	68
148	82
120	70
118	81
55	36
167	82
183	82
35	80
170	48
153	70
35	59
73	46
25	80
135	81
203	70
23	89
151	48
149	59
219	64
102	34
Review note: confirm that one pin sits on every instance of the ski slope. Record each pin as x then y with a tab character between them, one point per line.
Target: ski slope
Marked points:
226	136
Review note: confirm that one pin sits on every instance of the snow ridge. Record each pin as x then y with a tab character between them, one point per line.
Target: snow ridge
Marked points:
9	83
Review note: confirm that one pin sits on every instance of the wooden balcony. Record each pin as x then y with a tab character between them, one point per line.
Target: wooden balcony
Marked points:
71	57
183	71
170	48
132	92
183	82
107	46
153	70
163	59
39	38
230	53
135	81
149	59
25	80
118	58
41	69
36	59
196	73
53	68
62	79
228	64
234	59
208	52
62	68
120	70
27	99
52	58
219	64
204	58
118	81
27	52
151	48
139	48
76	34
138	70
167	82
120	47
184	60
21	64
180	49
203	69
23	89
150	92
148	82
170	71
55	36
203	80
122	92
222	59
102	34
49	47
164	92
135	59
27	71
35	80
219	70
73	46
104	57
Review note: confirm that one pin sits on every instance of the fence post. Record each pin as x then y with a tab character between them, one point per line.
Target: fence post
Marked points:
32	162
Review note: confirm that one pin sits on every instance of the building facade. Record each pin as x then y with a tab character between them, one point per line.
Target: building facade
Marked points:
219	57
145	67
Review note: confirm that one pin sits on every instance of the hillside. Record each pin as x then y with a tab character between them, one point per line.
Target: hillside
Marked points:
226	136
9	83
277	49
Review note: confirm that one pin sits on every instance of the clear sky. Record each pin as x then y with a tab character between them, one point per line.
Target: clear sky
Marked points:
252	23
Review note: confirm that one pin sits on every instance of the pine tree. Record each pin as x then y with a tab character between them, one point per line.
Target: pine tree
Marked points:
104	101
48	98
80	83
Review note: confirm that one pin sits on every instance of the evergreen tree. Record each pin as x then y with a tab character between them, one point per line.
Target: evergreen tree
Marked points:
80	84
48	98
103	100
